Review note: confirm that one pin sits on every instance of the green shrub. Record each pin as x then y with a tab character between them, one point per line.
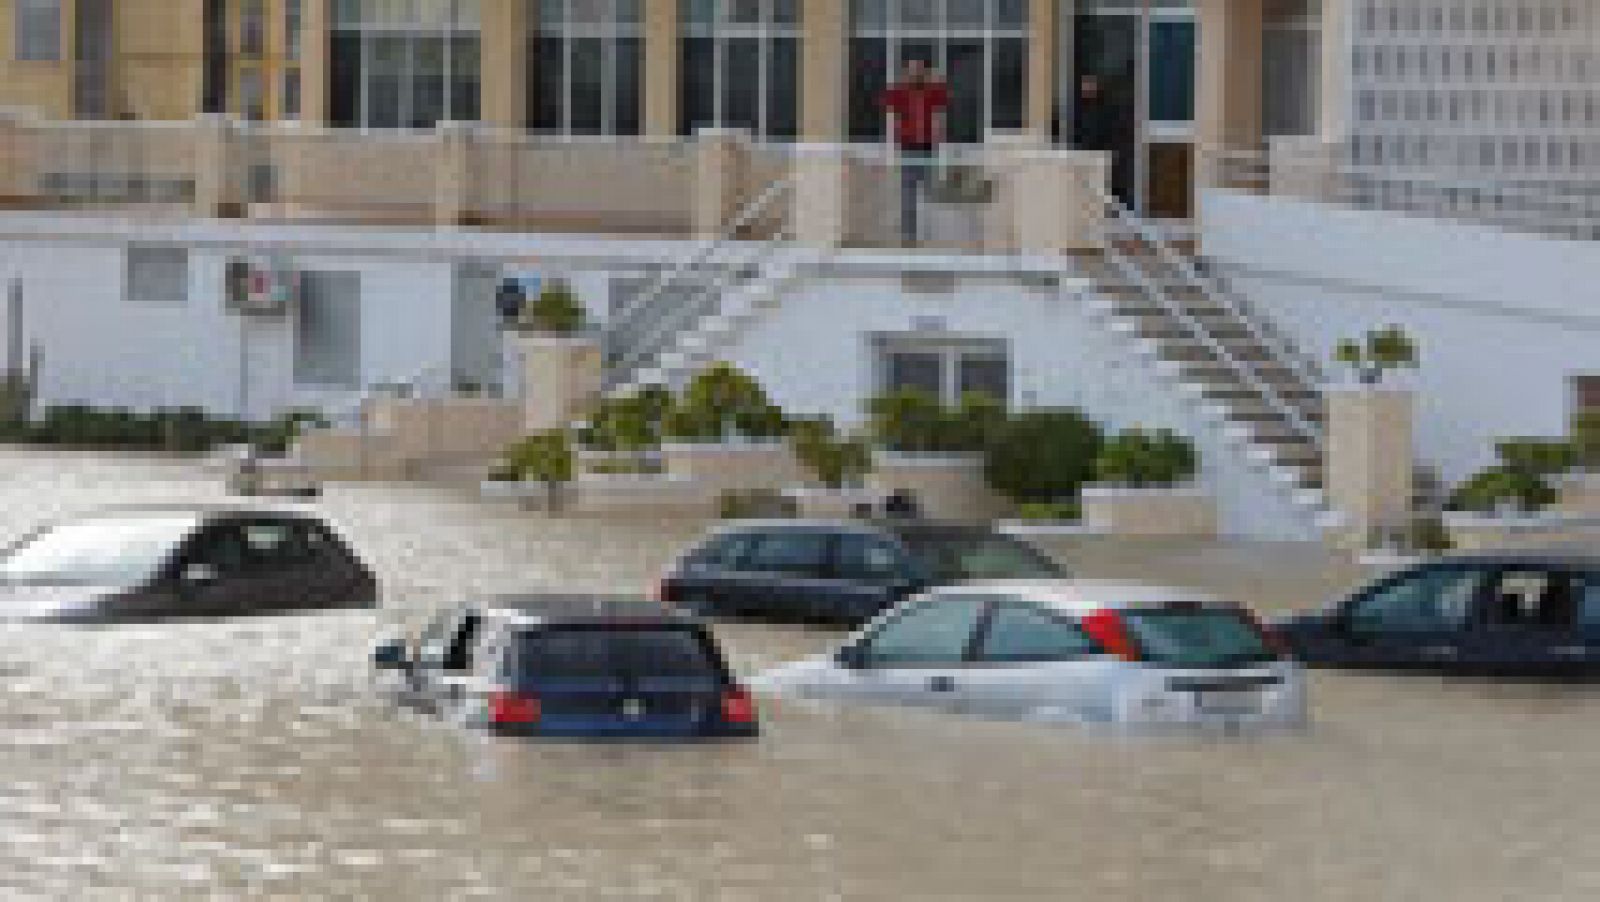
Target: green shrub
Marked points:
911	420
1042	456
629	424
556	310
1539	456
720	402
1501	486
1586	439
1050	511
835	461
1139	458
1377	353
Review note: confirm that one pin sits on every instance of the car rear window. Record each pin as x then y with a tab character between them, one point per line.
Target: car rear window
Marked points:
1198	637
620	652
955	558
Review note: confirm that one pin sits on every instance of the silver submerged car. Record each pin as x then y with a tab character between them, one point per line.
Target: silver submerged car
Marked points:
1074	651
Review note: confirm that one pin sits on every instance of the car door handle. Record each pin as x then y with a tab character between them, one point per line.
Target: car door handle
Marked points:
942	684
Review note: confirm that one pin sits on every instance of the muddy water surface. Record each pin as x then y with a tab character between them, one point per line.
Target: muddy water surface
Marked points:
227	759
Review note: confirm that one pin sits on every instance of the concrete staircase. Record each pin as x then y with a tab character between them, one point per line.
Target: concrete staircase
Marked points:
1260	392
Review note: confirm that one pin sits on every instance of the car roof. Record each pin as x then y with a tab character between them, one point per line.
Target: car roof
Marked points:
538	608
1079	596
905	529
1577	557
206	511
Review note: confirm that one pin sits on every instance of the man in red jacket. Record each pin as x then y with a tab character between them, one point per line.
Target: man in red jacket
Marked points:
917	106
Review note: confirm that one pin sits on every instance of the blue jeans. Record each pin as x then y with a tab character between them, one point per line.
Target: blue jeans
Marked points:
916	168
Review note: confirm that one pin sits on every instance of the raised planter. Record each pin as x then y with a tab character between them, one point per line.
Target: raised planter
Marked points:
1579	493
1169	511
1474	531
946	487
815	503
641	495
1369	459
733	466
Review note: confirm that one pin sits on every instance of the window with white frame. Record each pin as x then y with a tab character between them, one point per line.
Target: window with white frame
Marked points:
586	59
740	66
403	65
156	273
37	31
945	367
979	47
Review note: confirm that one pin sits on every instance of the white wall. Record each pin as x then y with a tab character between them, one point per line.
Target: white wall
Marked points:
813	354
1501	319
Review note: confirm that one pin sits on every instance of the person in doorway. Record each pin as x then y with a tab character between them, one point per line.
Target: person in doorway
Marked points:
1099	122
916	106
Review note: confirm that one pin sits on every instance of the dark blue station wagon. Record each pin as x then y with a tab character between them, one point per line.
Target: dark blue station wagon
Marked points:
571	666
1510	613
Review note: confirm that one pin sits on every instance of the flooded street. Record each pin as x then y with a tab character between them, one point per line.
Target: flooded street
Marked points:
223	759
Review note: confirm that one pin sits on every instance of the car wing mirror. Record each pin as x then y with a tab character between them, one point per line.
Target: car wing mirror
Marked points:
851	657
390	656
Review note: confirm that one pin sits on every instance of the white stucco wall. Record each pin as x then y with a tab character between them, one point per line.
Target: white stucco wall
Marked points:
1502	320
814	355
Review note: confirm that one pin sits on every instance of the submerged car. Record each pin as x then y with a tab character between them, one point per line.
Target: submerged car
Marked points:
571	666
840	571
1521	613
166	562
1077	651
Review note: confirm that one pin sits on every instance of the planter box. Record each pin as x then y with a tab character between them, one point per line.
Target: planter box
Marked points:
945	487
1476	532
1182	511
612	495
1579	493
832	504
733	466
1369	459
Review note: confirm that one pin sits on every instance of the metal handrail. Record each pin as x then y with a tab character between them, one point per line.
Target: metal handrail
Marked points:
642	311
1290	412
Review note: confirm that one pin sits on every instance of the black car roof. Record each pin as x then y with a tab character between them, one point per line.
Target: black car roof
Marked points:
1579	557
585	609
910	530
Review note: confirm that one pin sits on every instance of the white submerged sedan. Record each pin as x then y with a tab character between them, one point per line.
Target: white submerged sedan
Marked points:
1073	651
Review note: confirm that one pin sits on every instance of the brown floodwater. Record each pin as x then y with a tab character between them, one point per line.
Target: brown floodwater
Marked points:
252	757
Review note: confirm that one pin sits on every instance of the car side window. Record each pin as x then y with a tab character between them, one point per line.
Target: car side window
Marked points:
1587	588
721	553
1026	634
1533	598
869	559
790	553
934	632
1432	600
222	547
271	545
447	642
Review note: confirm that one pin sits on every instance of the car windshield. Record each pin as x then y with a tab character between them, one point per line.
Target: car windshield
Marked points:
111	551
625	653
973	557
1198	637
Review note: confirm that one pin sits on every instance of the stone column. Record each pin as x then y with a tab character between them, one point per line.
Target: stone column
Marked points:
661	29
213	137
1228	89
1334	95
562	377
1369	459
722	156
818	207
824	51
503	62
452	173
1042	64
315	29
1055	207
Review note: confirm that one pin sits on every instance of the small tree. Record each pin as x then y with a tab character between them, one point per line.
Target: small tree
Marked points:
1586	440
544	457
723	401
907	420
834	460
1139	459
629	424
1377	353
555	310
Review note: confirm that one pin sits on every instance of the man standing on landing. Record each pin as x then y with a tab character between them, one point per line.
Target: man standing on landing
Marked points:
917	106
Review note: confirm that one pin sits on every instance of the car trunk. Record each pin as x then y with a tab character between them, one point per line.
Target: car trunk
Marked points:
621	679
